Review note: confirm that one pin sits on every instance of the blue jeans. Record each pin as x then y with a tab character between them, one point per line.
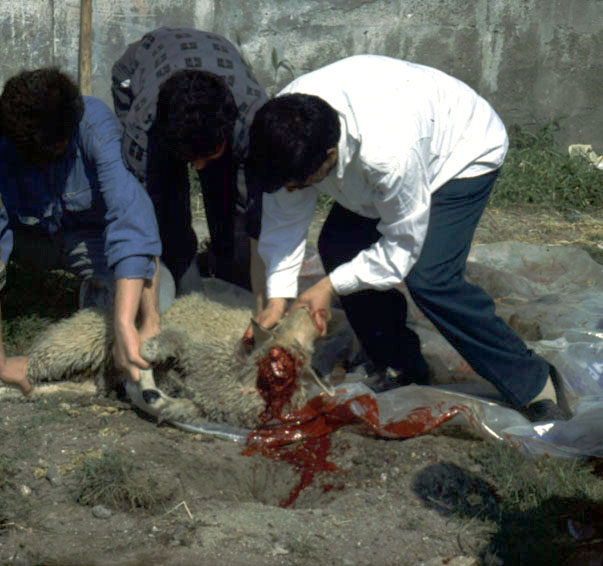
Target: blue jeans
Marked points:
463	313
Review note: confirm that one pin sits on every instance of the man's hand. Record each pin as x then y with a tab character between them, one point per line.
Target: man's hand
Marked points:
13	372
130	295
274	311
126	351
317	299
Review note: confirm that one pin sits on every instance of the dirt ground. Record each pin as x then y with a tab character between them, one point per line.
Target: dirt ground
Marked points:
423	501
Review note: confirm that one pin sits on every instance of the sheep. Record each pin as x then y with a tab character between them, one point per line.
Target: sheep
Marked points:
193	359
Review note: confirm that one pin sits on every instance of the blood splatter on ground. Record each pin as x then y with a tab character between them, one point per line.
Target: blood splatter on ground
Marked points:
302	438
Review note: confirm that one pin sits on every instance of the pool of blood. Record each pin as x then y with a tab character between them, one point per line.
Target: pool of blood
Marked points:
302	437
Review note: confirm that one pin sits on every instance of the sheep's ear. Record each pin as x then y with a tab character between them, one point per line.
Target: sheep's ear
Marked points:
244	348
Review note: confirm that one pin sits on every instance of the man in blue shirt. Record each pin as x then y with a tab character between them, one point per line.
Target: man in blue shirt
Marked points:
68	202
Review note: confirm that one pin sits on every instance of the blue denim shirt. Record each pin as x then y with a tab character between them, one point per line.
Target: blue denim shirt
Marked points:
88	187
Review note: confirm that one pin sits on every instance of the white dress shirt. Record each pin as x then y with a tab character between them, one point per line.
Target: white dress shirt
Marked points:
406	130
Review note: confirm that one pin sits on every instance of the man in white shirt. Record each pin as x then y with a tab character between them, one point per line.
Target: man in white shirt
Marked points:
410	156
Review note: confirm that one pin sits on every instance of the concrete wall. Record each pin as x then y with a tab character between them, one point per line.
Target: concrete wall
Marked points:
534	60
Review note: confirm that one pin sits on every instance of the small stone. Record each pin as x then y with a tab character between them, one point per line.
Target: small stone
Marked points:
39	473
463	561
53	475
278	550
101	512
475	499
348	562
25	490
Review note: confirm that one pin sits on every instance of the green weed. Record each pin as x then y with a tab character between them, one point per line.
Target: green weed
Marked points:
536	499
524	483
115	480
536	171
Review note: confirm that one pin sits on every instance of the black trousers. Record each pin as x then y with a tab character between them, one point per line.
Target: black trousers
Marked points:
227	218
168	186
463	313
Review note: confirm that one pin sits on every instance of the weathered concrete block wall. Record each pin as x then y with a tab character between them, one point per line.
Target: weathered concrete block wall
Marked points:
534	60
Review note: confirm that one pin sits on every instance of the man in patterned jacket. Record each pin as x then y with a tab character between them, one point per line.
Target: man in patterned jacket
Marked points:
187	96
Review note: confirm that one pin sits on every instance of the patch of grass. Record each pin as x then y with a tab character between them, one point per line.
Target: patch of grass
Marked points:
119	482
538	171
524	483
304	547
537	498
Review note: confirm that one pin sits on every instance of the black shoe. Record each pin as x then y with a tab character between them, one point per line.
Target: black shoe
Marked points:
389	378
545	410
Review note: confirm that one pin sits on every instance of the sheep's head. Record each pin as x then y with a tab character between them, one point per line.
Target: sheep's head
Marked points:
282	356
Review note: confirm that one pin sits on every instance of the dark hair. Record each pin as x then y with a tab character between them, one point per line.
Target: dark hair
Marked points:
196	112
289	139
39	112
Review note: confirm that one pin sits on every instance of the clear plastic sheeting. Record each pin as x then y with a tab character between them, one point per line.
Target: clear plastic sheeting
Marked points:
580	436
553	297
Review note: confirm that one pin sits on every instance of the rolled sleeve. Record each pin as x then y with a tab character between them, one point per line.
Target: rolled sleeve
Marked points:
131	235
136	267
286	217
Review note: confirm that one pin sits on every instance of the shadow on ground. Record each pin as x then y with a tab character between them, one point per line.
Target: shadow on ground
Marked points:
560	531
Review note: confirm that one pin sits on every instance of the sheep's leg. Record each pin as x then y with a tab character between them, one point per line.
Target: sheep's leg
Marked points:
152	400
168	344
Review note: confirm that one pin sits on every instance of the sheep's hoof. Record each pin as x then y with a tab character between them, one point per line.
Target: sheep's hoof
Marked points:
151	396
